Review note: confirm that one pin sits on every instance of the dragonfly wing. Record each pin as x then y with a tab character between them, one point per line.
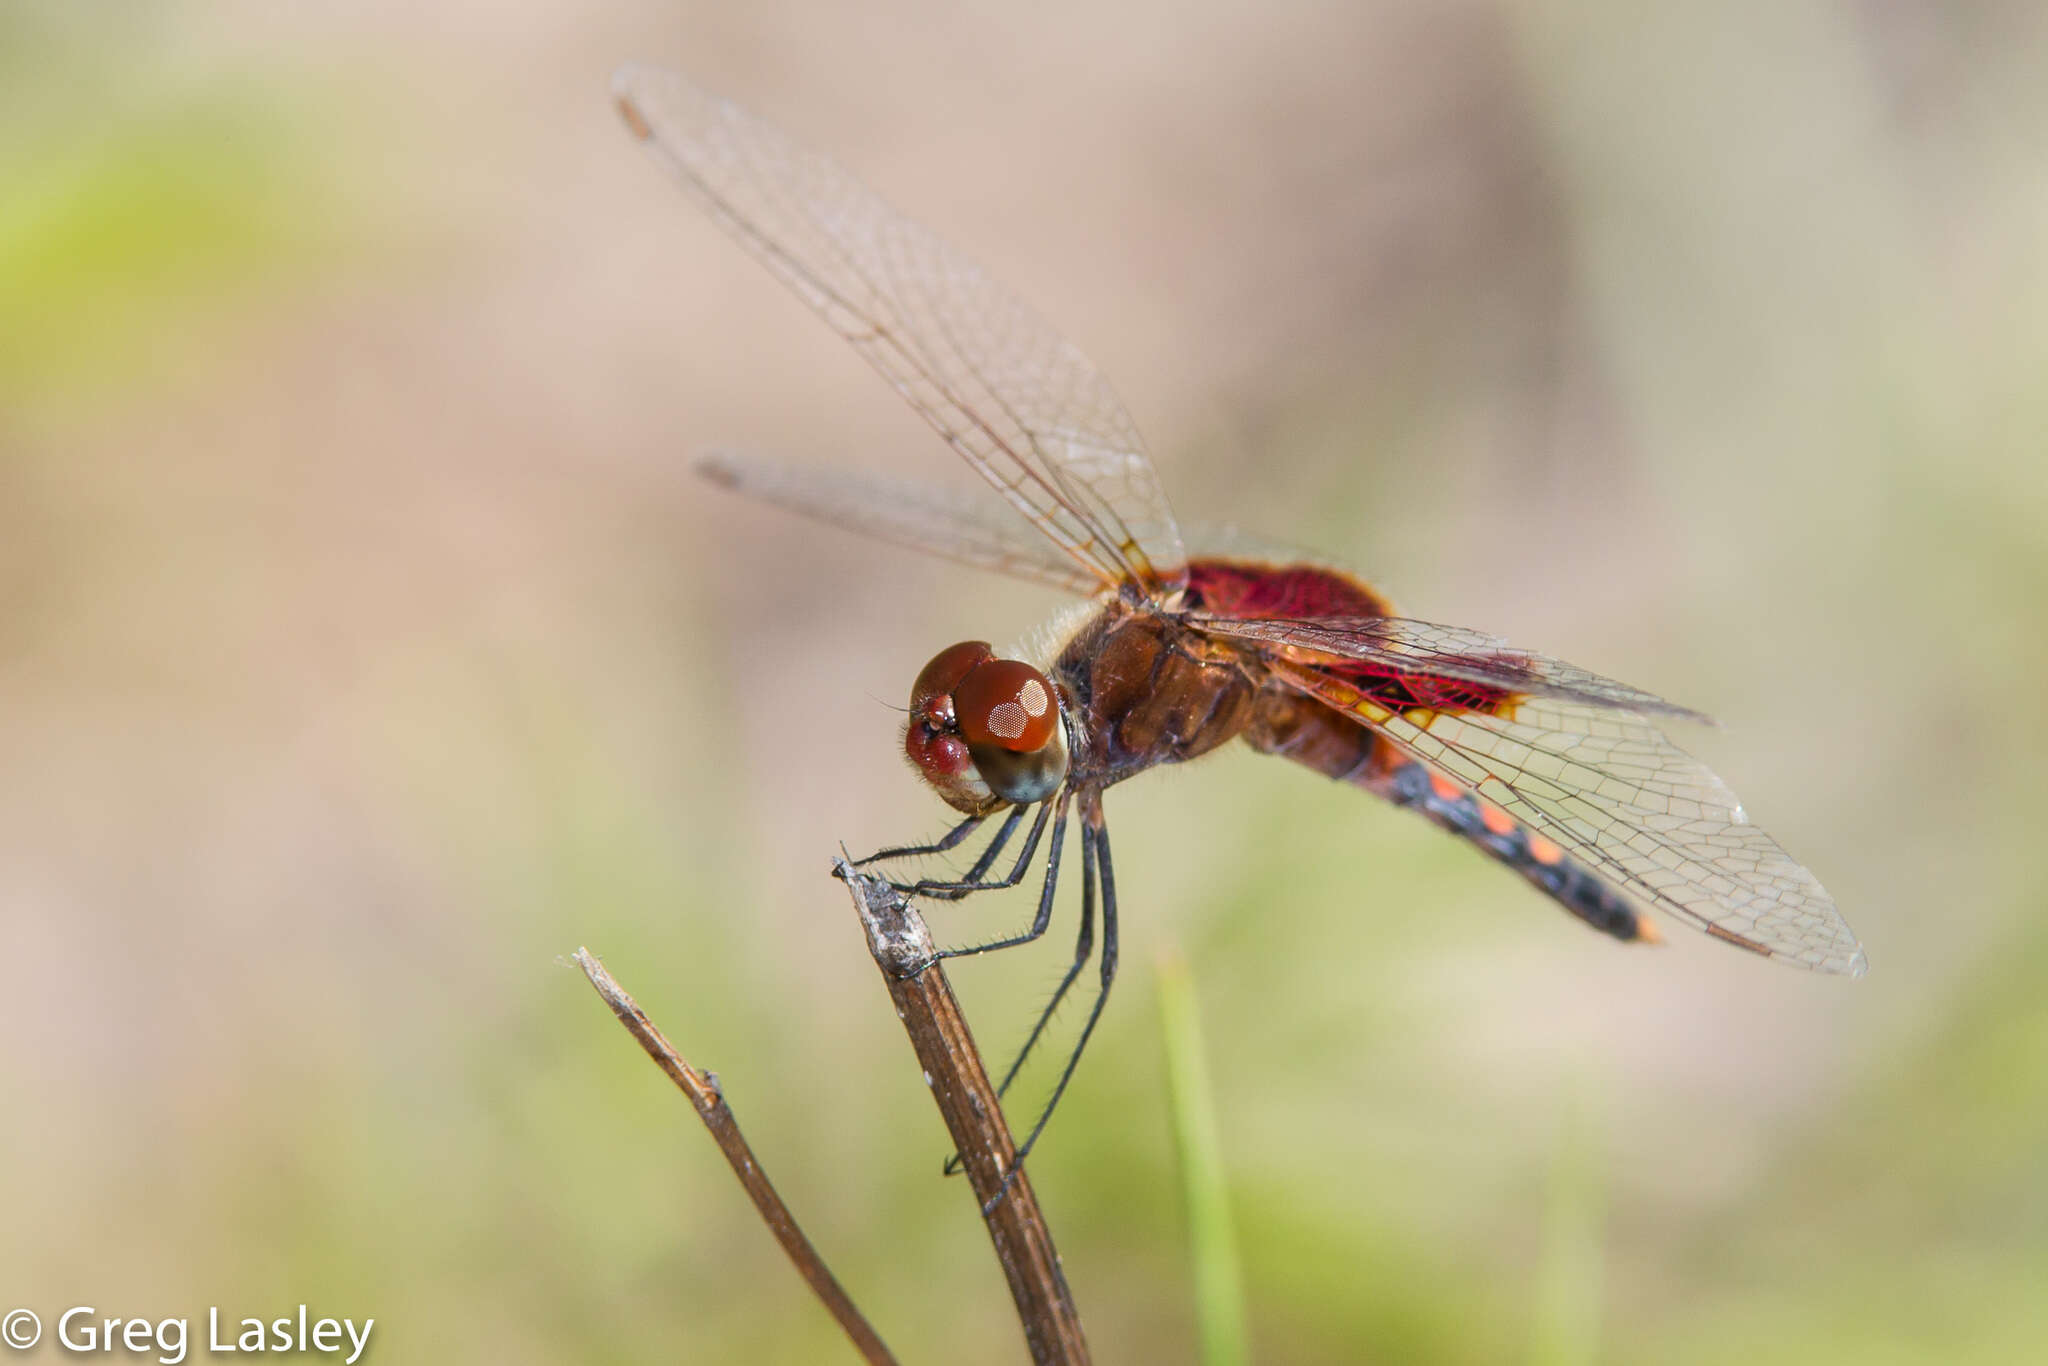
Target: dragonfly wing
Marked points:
1401	647
1617	795
1018	401
920	516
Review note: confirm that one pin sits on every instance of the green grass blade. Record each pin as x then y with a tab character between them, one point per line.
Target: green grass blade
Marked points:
1212	1241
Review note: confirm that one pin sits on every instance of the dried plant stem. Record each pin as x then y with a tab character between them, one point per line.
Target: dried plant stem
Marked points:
703	1090
902	949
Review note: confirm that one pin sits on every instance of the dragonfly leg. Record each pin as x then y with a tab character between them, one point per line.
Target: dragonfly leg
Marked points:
948	890
1084	949
1094	857
945	842
1045	897
977	879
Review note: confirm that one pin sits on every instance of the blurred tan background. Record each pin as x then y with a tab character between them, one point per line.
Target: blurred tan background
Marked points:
365	646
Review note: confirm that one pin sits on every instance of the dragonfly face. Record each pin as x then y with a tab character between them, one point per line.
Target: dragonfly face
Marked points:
1555	772
986	732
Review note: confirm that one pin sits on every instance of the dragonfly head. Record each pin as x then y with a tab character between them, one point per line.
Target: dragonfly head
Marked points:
985	732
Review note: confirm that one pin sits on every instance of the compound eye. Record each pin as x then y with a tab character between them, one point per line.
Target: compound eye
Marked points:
931	696
1007	704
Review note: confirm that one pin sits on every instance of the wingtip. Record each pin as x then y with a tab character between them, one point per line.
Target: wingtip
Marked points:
717	466
1678	712
1856	965
628	77
627	81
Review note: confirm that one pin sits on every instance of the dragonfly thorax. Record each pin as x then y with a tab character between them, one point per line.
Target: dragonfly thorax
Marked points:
985	732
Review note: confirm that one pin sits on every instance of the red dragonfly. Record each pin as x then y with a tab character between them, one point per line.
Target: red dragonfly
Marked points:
1560	774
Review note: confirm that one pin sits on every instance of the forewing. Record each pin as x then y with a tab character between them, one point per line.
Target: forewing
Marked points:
1406	648
1019	402
920	516
1612	791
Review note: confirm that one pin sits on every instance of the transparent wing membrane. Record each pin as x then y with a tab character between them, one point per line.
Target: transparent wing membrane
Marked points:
1018	401
1613	792
919	516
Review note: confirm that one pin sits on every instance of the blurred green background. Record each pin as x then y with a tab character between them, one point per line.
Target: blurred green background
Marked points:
365	647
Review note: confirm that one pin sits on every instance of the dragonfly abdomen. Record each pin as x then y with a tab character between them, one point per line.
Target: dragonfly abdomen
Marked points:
1294	727
1463	812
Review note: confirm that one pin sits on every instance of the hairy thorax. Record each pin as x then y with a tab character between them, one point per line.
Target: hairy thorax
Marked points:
1144	690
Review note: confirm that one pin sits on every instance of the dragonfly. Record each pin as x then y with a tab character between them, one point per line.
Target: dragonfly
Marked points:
1562	776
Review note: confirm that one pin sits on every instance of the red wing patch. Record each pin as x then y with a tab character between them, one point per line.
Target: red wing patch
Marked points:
1431	664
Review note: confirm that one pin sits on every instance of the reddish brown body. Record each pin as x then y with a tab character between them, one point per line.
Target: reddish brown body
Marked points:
1141	689
1144	689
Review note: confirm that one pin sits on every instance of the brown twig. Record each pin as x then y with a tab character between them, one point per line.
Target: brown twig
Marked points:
902	948
703	1090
